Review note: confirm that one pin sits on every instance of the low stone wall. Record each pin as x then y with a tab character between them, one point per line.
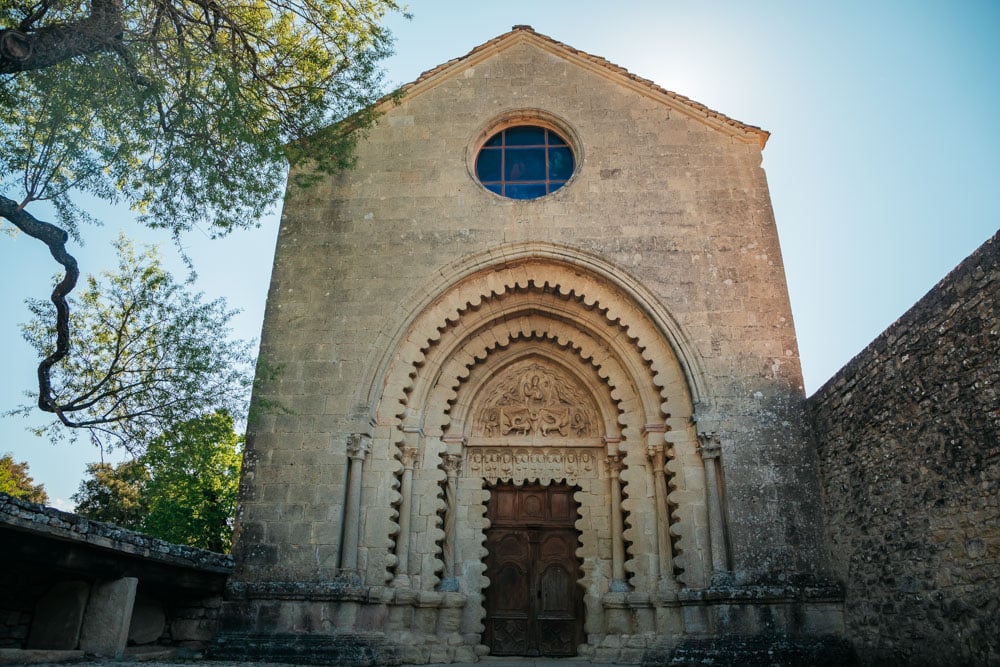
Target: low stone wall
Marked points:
71	583
909	445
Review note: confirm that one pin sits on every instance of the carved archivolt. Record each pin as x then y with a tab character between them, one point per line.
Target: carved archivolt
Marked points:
534	399
459	372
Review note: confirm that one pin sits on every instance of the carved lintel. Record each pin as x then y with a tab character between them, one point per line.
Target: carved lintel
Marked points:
709	445
544	463
358	445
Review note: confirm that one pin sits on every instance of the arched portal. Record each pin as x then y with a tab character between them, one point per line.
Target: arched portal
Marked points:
534	605
536	370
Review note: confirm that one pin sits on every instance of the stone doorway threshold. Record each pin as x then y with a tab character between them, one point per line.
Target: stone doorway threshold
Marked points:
491	661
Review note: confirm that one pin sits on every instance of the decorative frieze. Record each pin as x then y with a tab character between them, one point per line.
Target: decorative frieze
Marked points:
543	463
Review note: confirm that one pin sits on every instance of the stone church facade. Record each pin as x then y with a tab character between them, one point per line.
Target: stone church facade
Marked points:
539	385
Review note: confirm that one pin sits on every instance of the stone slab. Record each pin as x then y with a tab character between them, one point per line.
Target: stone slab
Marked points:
58	616
106	621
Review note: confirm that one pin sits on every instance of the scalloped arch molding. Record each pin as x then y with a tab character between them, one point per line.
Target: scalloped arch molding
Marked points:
581	314
597	282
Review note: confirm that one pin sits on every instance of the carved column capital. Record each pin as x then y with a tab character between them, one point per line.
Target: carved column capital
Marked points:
614	465
452	464
358	445
655	444
410	445
657	457
709	445
408	457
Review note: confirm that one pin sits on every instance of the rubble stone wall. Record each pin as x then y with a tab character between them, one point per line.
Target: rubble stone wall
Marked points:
910	469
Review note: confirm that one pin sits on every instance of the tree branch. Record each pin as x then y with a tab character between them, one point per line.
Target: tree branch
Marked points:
55	238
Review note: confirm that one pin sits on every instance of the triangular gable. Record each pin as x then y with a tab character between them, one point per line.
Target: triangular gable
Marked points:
521	34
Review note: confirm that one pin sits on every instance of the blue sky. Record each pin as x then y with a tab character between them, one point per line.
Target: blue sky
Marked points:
883	162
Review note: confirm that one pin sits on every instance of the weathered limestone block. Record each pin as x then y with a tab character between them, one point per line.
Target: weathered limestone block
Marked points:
148	620
106	621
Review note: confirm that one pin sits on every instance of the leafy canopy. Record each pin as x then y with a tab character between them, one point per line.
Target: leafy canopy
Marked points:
15	481
195	470
148	354
182	489
189	111
114	494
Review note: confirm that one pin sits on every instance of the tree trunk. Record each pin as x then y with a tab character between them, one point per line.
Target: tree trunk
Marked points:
31	48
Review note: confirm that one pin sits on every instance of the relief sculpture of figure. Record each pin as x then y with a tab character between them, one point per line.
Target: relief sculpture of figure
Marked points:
536	400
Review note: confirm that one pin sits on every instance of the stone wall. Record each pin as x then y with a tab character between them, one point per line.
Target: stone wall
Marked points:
910	467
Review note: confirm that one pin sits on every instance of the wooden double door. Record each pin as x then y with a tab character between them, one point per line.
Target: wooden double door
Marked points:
534	604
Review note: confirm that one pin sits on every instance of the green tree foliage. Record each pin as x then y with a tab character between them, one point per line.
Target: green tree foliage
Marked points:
182	489
148	354
15	481
195	471
115	494
190	111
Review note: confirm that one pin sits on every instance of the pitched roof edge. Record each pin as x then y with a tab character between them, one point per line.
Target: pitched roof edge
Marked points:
438	75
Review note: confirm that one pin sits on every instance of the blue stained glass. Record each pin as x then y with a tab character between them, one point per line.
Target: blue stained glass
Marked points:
560	163
525	135
525	191
524	164
488	165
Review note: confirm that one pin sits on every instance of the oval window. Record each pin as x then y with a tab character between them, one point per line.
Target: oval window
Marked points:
524	162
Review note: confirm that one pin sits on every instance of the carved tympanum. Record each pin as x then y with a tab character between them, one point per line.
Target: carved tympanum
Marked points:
536	400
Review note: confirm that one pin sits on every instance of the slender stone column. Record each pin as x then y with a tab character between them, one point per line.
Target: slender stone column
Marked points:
711	450
409	455
618	584
450	548
656	450
357	448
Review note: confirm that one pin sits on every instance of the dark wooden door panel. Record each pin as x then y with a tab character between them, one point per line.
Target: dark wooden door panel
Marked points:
534	605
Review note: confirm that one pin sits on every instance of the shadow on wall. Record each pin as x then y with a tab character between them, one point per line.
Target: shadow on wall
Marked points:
908	436
72	584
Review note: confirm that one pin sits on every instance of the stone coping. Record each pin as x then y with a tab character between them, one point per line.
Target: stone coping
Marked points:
764	594
56	524
350	590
